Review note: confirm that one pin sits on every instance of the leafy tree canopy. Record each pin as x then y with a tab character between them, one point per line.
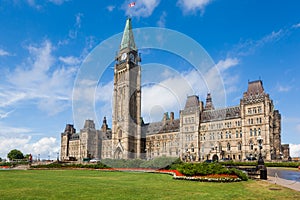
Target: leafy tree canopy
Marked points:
15	154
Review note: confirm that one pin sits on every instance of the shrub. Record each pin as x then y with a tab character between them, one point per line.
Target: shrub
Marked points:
203	169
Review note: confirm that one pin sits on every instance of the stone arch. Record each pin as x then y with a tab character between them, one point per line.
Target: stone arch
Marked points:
118	153
215	158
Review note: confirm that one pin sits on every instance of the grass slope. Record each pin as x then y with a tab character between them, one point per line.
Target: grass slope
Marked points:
92	184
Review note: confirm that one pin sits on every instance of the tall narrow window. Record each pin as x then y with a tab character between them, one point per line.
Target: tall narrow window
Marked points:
239	146
250	132
228	146
251	145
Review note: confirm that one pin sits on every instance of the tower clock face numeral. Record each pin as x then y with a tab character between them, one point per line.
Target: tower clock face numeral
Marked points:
124	56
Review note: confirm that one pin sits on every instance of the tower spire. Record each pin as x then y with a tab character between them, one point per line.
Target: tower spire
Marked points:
209	104
128	39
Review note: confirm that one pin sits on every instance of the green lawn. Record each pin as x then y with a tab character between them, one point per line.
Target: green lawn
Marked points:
92	184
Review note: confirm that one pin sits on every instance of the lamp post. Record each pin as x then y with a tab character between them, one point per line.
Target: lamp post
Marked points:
260	163
215	157
260	159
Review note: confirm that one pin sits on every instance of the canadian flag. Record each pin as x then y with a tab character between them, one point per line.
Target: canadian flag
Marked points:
131	4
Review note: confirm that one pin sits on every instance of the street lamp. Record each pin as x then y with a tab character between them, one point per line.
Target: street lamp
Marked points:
260	163
260	159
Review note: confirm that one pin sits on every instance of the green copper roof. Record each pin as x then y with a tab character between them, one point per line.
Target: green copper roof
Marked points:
128	40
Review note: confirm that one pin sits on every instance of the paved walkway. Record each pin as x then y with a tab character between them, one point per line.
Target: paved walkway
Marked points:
21	167
295	185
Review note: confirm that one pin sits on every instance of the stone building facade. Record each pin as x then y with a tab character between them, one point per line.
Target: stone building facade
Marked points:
201	132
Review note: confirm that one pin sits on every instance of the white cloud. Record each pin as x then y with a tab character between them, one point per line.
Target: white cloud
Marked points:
249	46
39	5
9	96
5	114
47	146
282	88
58	2
167	90
8	131
7	144
70	60
274	36
4	53
296	25
162	20
73	32
142	8
37	79
295	150
223	65
193	5
173	89
110	8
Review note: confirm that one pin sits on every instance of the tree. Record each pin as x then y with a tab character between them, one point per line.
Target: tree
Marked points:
0	159
15	154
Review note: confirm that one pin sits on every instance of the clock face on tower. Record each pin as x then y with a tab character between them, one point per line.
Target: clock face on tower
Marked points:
131	56
124	56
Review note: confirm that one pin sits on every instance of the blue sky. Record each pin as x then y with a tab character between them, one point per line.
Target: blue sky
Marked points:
44	43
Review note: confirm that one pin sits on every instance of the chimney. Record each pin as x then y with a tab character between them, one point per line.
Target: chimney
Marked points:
166	117
171	116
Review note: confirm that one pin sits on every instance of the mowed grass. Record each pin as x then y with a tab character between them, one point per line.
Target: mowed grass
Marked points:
93	184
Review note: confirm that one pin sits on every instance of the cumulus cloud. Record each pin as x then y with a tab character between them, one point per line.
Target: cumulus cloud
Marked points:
35	79
47	146
295	150
192	6
167	90
142	8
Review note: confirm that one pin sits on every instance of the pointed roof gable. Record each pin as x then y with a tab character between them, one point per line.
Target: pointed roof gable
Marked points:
254	88
192	102
128	39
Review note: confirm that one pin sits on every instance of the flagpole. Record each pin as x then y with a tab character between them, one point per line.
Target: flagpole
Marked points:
130	5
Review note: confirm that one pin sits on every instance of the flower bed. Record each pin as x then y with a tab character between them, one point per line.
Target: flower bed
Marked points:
208	178
179	176
4	167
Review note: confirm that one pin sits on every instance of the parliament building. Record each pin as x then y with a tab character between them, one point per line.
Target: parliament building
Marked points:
202	132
